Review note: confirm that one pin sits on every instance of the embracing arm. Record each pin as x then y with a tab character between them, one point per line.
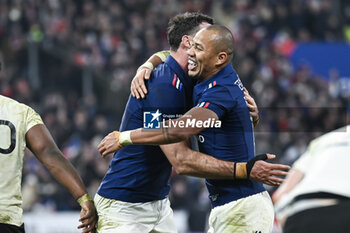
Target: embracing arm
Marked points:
138	88
175	133
189	162
40	142
253	108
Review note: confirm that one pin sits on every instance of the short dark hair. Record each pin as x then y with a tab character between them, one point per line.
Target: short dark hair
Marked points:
185	24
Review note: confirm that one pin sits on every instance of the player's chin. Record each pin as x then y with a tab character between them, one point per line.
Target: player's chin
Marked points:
193	74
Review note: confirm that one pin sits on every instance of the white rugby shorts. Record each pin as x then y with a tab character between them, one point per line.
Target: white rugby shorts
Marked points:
125	217
252	214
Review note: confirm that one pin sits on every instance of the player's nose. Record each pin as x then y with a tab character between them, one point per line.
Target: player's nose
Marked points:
190	51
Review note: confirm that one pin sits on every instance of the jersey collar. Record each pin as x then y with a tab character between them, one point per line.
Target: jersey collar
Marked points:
222	73
185	79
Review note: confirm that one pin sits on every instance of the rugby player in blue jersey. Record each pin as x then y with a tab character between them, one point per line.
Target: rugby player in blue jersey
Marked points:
133	194
242	204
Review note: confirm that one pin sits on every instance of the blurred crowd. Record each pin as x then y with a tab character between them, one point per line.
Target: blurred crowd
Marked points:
73	62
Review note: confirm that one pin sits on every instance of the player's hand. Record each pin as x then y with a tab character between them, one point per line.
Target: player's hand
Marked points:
138	88
88	217
110	144
267	173
253	108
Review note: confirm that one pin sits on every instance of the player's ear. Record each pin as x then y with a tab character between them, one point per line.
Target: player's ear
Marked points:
187	41
221	58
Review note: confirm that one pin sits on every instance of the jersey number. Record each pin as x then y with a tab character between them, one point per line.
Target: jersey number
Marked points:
12	135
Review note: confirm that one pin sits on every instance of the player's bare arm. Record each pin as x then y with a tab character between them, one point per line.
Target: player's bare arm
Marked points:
166	135
186	161
264	172
138	88
189	162
40	142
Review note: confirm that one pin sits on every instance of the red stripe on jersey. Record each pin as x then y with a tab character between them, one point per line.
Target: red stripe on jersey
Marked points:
206	105
174	80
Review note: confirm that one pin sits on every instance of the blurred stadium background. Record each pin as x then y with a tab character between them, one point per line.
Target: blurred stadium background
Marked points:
73	62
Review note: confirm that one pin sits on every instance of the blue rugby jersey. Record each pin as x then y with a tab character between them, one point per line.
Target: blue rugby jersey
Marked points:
234	140
140	173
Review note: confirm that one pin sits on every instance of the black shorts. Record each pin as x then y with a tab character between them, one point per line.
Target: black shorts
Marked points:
329	219
7	228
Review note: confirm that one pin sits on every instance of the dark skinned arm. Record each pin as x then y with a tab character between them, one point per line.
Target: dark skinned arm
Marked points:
193	163
174	134
196	165
40	142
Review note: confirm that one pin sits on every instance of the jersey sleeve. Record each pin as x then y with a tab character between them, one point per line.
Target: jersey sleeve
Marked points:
217	99
33	118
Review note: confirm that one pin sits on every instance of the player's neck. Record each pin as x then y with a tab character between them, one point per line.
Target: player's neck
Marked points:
181	58
212	72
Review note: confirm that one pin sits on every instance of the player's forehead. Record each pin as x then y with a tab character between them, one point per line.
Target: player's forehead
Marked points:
203	37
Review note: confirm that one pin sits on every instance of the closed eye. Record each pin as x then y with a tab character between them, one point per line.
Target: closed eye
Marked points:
198	47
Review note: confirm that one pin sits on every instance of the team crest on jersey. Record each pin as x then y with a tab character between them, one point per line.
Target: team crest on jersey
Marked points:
152	119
